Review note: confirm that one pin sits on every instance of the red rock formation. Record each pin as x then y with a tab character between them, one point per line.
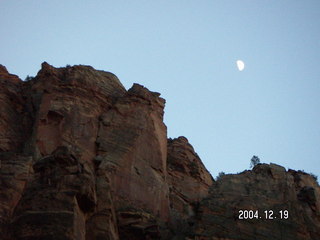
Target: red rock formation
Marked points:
64	187
12	134
97	156
189	182
266	188
82	158
132	150
15	168
71	101
15	171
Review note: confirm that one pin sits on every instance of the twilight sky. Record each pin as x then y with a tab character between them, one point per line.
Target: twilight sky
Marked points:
187	51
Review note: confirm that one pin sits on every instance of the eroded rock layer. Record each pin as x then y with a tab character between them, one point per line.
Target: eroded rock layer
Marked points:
83	158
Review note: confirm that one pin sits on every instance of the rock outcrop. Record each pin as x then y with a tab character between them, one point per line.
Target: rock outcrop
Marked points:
265	203
189	182
82	158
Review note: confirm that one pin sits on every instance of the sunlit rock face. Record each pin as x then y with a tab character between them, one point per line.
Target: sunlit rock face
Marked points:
81	158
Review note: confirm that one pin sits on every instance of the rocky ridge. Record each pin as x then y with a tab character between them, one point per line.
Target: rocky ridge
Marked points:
84	158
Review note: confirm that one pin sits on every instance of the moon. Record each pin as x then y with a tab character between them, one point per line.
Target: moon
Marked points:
240	65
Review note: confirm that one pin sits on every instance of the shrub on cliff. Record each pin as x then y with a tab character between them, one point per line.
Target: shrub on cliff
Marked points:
28	78
315	177
254	161
220	175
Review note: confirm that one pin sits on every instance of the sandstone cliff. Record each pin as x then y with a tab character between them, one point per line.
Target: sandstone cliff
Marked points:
266	188
84	158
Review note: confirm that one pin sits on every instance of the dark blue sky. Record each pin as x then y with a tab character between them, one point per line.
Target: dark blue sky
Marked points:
187	50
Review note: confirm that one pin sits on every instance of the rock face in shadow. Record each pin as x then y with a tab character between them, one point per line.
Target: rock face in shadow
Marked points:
15	116
82	158
270	193
189	182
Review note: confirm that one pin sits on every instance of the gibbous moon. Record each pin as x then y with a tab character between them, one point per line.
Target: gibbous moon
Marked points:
240	65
